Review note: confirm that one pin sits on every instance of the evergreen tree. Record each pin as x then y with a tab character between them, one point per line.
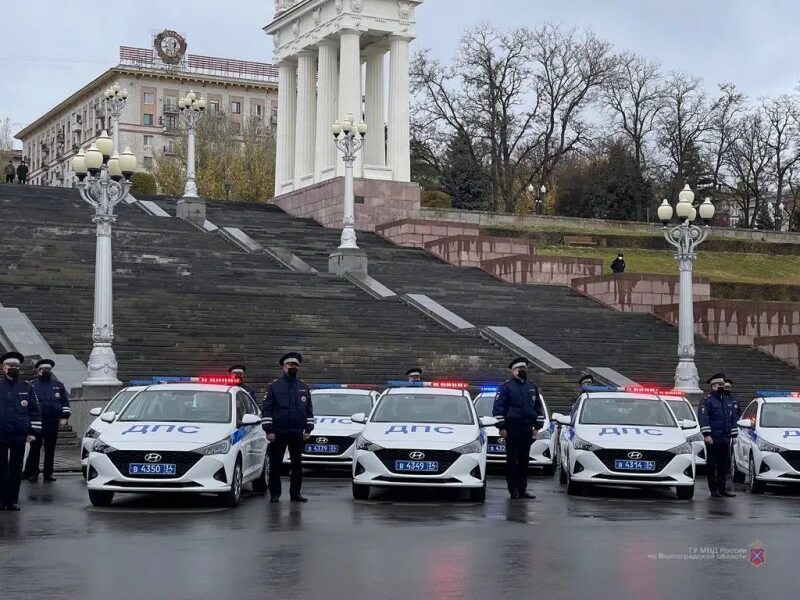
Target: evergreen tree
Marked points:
462	176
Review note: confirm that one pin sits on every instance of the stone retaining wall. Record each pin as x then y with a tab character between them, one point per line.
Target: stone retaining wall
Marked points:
416	233
785	347
557	270
471	251
637	292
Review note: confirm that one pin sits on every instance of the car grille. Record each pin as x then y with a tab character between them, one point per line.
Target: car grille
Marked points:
492	439
792	457
445	458
344	443
183	461
609	455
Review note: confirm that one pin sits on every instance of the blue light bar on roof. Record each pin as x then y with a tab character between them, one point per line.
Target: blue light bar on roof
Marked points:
777	394
601	388
489	389
342	386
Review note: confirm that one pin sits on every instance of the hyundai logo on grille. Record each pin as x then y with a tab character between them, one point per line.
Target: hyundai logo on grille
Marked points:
501	440
322	440
634	455
152	457
416	455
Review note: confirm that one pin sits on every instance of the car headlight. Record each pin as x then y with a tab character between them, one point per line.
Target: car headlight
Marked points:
91	433
544	434
695	437
765	446
102	447
580	444
474	447
220	447
684	448
364	444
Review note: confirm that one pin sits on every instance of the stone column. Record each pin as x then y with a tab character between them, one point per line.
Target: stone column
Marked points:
399	155
349	87
375	142
327	87
287	109
306	122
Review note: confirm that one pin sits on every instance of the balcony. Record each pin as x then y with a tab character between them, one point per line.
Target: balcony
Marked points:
171	108
169	150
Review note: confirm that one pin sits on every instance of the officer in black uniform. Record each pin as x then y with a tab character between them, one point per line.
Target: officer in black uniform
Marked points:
54	404
718	415
519	413
20	422
288	418
585	382
414	374
238	372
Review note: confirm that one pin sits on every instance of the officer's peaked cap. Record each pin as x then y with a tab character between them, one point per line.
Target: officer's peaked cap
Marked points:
588	377
12	358
518	363
296	356
237	368
414	371
717	378
45	362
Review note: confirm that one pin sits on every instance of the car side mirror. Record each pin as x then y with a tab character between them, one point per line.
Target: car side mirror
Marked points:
360	418
746	423
687	424
249	419
97	411
108	417
487	422
562	420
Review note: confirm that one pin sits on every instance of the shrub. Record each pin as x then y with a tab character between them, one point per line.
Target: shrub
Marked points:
143	184
436	199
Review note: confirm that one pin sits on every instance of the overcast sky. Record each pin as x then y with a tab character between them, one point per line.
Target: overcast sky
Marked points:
51	48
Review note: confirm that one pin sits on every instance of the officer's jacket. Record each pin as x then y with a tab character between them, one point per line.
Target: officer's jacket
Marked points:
53	399
249	390
287	407
19	410
518	404
718	414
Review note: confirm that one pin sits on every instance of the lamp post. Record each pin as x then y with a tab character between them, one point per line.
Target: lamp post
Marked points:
685	237
115	101
192	108
349	139
540	200
779	216
103	182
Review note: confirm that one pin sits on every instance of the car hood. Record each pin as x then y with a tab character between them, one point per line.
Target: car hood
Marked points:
335	426
144	435
433	435
619	436
784	437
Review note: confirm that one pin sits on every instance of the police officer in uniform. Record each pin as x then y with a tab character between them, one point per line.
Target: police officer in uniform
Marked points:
718	415
238	371
585	382
288	418
20	422
54	405
414	374
519	413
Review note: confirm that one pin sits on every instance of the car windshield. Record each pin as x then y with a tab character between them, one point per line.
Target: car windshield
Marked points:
120	400
190	406
682	409
340	405
780	414
484	405
423	408
626	411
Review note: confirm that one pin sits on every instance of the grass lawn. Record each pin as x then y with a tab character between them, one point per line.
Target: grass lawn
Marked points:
716	266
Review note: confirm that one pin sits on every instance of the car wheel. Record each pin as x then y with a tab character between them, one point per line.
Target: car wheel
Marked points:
233	497
685	492
736	474
574	488
756	486
361	492
100	498
478	495
260	482
84	471
562	475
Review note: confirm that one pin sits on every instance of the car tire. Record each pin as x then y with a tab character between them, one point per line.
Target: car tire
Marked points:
101	498
233	497
548	470
478	495
563	478
361	492
685	492
260	482
574	488
736	474
756	486
84	472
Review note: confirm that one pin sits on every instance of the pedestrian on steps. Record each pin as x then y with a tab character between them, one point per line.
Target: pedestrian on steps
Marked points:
22	173
618	264
54	405
10	172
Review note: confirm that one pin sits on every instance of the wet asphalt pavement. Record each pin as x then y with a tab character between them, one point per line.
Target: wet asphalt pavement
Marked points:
612	544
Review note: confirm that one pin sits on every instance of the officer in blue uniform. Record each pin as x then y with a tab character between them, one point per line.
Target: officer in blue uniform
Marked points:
414	374
288	418
238	371
54	405
20	422
718	415
519	413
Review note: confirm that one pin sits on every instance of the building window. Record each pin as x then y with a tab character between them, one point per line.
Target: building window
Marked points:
171	123
258	110
149	98
236	108
148	142
213	106
148	163
237	127
147	119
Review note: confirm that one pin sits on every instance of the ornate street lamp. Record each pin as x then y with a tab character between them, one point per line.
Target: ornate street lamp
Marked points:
104	182
349	139
192	109
115	101
685	237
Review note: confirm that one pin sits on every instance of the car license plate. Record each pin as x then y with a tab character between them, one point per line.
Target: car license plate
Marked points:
425	466
496	449
635	465
322	449
151	469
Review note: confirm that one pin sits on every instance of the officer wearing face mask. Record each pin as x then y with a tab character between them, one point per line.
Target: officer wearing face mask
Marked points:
288	418
519	413
718	415
20	422
238	371
54	404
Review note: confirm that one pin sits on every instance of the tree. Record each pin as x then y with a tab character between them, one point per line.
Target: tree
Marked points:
6	135
462	176
722	131
781	115
750	162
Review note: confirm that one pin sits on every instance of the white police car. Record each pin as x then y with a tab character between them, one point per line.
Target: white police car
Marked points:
629	437
180	438
116	404
332	443
684	411
543	447
422	435
767	450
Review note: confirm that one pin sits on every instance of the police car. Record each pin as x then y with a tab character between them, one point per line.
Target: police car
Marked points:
543	447
625	436
425	434
767	450
332	443
98	425
186	436
684	411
